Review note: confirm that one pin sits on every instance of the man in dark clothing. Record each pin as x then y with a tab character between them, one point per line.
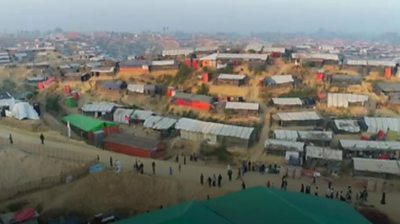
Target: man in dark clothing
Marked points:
209	181
201	179
219	180
153	166
302	188
184	160
42	138
230	175
243	185
383	199
111	161
11	139
316	191
177	158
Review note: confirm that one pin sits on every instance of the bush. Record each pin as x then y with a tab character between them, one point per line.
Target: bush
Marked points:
52	104
182	75
257	68
9	86
220	152
16	206
203	89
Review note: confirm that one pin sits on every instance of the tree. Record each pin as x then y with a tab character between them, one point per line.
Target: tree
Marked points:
9	86
203	90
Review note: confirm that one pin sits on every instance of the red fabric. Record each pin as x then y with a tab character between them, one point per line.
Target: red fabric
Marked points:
195	64
24	215
388	72
188	63
380	135
76	96
384	156
364	138
320	76
67	90
205	77
322	95
133	151
40	86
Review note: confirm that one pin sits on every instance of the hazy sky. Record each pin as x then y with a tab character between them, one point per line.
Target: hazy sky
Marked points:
242	16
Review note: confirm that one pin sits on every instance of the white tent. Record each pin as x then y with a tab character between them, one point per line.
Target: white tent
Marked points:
23	110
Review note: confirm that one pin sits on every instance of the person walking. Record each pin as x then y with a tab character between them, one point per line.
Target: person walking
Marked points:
177	158
243	185
316	191
111	162
42	138
153	166
11	139
201	179
383	199
170	171
302	188
184	160
230	174
219	180
268	184
179	167
209	181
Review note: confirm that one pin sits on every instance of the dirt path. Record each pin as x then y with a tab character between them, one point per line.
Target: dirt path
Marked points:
192	170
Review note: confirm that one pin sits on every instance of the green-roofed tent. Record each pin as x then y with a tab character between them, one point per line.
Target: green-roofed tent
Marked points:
86	123
258	205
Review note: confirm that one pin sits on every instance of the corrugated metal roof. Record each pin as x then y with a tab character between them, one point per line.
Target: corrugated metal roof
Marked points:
376	124
204	127
350	126
216	56
360	145
287	101
343	99
324	153
298	116
289	135
254	46
193	97
121	115
142	114
136	88
99	107
281	79
388	86
281	50
377	165
332	57
315	135
242	106
176	52
211	48
284	145
159	123
163	63
231	76
103	69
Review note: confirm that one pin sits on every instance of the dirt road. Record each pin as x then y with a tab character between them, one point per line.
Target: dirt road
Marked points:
192	170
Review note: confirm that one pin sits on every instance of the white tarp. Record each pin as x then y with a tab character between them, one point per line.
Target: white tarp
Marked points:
376	124
361	145
377	165
283	145
136	88
287	101
344	99
299	116
350	126
24	110
122	115
324	153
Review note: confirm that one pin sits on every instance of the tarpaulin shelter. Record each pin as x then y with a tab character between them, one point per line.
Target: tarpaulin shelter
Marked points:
257	205
23	110
90	125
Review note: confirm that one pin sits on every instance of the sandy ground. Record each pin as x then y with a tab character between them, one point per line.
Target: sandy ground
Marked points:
19	168
189	175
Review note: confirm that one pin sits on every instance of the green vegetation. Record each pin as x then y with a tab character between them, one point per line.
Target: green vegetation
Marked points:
52	104
257	68
182	75
16	206
9	86
301	93
227	70
203	90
